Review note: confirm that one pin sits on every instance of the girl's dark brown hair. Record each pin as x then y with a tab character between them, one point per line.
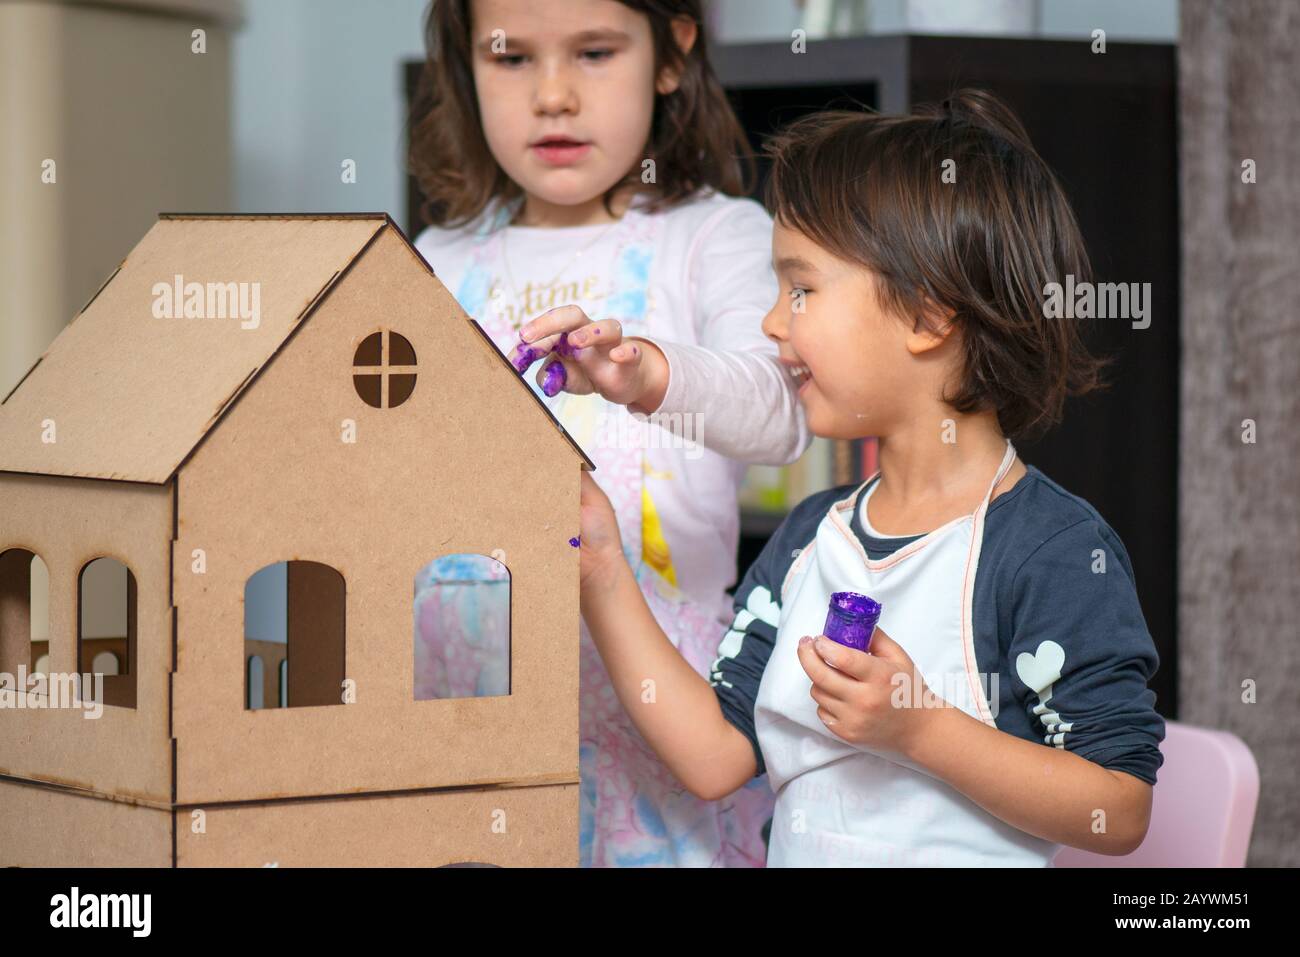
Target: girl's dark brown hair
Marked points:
695	138
871	190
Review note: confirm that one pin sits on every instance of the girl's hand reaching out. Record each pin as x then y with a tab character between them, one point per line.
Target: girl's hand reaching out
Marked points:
600	545
592	357
855	692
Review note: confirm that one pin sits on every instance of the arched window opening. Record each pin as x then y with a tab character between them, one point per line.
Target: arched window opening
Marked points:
462	628
106	630
24	612
295	614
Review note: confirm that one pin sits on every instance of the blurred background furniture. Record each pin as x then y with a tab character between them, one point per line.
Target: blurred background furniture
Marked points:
109	118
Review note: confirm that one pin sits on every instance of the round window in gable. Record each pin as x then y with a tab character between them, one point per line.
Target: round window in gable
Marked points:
383	370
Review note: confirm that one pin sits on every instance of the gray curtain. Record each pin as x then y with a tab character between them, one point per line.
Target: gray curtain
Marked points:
1239	511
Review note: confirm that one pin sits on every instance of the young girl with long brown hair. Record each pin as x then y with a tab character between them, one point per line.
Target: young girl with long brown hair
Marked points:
585	177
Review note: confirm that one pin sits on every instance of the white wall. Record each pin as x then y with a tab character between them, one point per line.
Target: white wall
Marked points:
740	21
317	82
1151	20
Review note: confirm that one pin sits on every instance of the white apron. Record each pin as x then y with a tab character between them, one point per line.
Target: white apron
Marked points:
840	804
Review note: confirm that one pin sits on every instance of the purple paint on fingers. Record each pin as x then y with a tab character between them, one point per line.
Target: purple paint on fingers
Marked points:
526	357
554	379
851	618
566	348
576	542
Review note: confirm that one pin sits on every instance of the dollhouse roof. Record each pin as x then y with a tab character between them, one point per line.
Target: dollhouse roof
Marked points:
128	390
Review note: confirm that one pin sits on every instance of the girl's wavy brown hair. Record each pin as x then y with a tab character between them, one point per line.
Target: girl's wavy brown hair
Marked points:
695	139
870	189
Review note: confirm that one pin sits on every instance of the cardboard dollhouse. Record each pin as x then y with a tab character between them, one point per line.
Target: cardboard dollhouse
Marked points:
338	412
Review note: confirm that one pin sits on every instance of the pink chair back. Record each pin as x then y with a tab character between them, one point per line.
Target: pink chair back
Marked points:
1203	805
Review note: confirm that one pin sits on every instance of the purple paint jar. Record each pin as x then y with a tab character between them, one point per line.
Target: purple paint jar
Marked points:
851	619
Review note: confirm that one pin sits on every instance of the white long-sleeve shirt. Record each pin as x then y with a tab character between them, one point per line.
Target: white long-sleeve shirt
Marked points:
707	286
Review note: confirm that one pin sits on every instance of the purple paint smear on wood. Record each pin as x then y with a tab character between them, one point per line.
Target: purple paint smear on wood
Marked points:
575	542
851	618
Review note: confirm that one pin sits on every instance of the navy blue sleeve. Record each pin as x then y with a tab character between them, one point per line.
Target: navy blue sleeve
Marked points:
747	645
1080	653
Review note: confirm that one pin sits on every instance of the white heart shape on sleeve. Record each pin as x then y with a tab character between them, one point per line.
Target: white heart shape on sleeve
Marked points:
1042	669
762	607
